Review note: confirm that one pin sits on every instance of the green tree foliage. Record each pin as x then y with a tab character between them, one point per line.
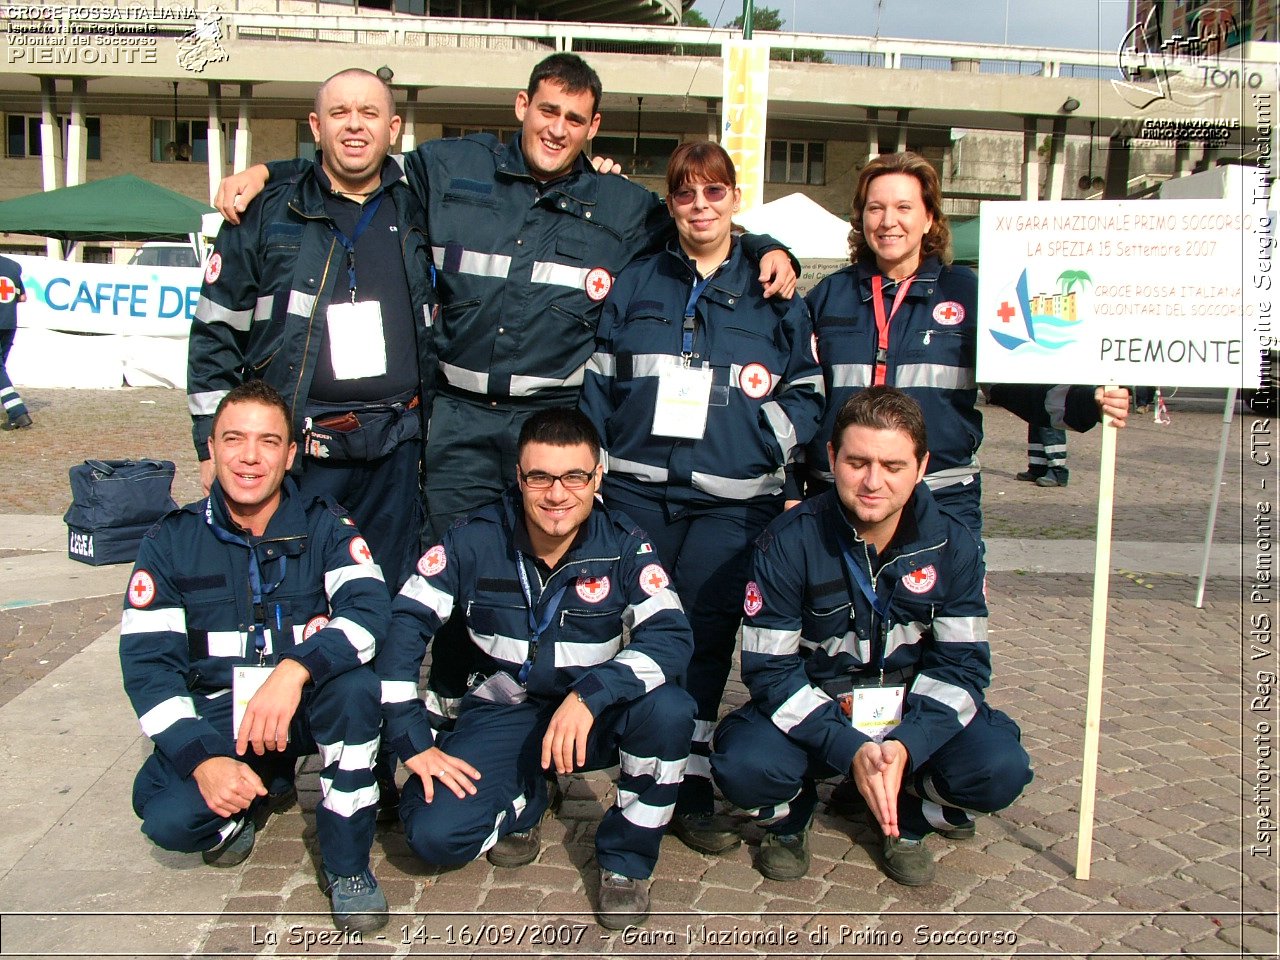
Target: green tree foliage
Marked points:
770	19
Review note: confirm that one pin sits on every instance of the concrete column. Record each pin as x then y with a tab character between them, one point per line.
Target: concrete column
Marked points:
77	136
902	129
50	149
1209	158
217	167
1030	159
408	130
244	138
1117	174
873	133
1057	158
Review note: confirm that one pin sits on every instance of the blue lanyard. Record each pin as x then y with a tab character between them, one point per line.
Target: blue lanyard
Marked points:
259	589
690	320
861	578
349	243
536	625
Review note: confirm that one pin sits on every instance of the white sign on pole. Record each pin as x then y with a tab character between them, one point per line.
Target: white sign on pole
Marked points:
1126	291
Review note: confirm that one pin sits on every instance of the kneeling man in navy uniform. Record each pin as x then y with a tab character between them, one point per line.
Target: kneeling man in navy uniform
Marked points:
578	641
865	652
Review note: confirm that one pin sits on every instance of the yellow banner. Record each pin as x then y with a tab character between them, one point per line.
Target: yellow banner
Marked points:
745	108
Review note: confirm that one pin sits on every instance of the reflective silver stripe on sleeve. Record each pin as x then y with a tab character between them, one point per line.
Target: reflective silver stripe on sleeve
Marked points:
465	379
420	590
848	643
160	620
814	383
399	691
644	667
643	814
586	654
732	489
524	386
357	636
783	430
334	580
662	771
935	376
773	643
902	635
603	364
447	707
205	404
652	364
851	375
1055	404
960	629
301	304
475	263
641	471
735	378
165	714
952	475
957	698
209	312
664	599
797	708
702	731
506	649
262	309
559	274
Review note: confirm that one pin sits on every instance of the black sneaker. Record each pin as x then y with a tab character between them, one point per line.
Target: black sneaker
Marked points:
784	856
357	903
622	902
235	849
21	421
705	832
517	849
1028	476
1048	481
908	862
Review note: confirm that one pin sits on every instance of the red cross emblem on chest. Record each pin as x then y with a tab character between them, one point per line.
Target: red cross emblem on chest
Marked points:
7	290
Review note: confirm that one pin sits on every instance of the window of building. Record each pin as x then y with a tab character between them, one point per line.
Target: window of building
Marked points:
646	157
190	143
502	133
23	135
797	161
306	142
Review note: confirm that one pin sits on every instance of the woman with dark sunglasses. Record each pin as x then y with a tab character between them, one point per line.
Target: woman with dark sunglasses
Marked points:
702	390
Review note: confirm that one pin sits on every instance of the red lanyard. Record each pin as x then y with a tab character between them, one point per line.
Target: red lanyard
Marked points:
882	323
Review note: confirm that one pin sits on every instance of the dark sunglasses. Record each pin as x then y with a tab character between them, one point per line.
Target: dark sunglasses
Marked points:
713	192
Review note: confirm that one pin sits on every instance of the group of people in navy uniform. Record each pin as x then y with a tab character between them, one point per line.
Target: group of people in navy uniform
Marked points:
591	437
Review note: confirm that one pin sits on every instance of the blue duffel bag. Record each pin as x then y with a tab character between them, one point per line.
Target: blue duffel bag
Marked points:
113	504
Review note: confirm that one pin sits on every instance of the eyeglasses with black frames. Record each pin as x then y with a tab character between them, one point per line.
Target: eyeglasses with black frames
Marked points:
573	480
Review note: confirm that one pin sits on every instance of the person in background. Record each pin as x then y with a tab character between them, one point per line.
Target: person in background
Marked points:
12	293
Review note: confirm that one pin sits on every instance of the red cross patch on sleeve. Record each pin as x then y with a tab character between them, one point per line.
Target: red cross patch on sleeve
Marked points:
360	550
314	626
753	602
214	270
433	561
653	579
142	589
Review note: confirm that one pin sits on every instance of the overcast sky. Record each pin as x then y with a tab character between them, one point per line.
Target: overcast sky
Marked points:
1090	24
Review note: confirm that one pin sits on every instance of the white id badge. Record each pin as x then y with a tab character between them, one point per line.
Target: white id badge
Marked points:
245	682
877	710
683	396
357	345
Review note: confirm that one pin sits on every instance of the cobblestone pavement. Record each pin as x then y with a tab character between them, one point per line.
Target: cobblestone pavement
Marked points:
1171	868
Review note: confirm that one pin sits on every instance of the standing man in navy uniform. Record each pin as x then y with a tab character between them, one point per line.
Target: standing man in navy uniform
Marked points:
324	292
549	582
12	293
865	653
263	600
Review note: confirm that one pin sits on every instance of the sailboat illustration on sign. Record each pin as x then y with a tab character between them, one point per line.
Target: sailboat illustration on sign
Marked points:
1043	321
